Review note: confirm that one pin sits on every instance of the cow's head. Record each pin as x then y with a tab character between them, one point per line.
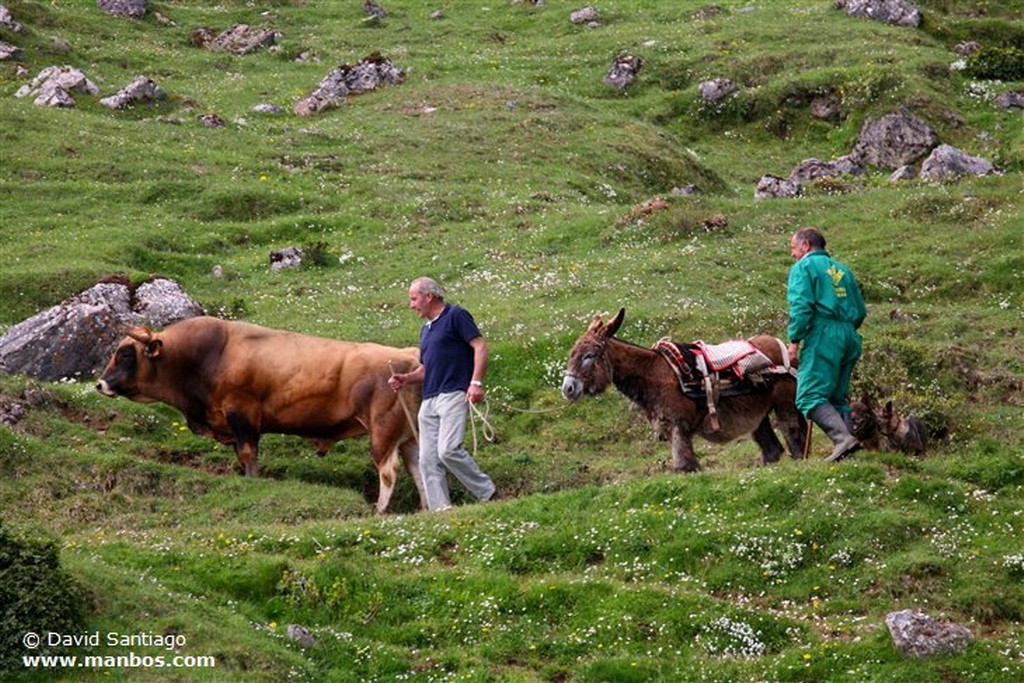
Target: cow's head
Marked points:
134	360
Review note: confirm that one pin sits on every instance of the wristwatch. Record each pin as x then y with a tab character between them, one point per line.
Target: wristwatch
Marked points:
477	383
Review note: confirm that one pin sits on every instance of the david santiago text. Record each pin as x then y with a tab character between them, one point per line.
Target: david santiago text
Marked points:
172	641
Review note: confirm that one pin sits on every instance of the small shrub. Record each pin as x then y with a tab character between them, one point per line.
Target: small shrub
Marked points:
316	254
997	64
36	595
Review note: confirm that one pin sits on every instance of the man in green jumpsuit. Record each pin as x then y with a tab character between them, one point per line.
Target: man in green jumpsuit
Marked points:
825	311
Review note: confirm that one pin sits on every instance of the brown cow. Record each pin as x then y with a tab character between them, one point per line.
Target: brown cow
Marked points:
234	382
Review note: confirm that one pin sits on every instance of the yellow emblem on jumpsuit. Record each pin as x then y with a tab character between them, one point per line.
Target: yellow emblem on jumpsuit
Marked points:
836	274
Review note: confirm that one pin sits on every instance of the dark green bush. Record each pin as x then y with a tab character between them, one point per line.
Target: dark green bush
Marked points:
317	254
36	595
997	64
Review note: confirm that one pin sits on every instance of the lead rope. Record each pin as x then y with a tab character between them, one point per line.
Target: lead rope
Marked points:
405	409
486	428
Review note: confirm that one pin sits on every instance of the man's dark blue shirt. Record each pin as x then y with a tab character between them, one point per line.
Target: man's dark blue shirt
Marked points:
446	353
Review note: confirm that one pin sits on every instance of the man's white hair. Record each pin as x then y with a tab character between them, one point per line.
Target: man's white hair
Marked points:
427	285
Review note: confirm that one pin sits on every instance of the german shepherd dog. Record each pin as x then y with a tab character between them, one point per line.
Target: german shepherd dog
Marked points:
865	422
906	434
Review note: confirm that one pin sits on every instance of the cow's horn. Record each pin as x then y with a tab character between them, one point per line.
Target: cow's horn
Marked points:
140	334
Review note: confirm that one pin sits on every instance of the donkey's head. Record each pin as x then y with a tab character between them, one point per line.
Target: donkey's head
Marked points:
589	370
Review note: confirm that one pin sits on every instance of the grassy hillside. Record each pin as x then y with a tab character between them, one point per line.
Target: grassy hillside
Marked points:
505	168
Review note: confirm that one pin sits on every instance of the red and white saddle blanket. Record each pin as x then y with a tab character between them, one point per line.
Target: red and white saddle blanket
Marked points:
709	368
738	356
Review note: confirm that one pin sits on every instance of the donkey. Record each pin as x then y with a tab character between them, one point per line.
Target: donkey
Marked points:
598	359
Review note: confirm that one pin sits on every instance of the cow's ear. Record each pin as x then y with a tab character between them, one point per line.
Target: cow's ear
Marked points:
154	348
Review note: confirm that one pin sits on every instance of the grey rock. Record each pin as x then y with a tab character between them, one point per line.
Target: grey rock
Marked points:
916	634
947	161
141	90
8	51
289	257
368	74
53	86
715	89
967	48
374	9
267	108
301	635
1011	99
895	12
893	141
809	169
902	173
623	71
240	39
135	9
774	187
7	20
826	107
77	337
585	15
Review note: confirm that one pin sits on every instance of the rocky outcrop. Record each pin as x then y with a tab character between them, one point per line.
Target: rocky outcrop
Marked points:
1011	99
895	12
809	169
368	74
240	39
8	22
774	187
55	84
76	338
894	140
947	161
134	9
916	634
715	89
623	71
141	90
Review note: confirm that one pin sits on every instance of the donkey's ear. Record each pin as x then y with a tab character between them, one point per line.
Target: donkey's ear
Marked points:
595	323
615	323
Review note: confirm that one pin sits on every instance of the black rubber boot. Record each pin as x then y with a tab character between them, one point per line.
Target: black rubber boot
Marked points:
832	423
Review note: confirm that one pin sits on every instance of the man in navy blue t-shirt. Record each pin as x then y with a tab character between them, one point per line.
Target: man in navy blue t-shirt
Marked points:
453	357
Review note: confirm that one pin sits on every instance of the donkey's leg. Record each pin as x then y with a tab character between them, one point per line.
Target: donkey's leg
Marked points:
794	430
792	423
766	440
683	459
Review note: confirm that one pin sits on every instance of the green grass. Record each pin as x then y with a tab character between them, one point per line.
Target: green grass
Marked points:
503	167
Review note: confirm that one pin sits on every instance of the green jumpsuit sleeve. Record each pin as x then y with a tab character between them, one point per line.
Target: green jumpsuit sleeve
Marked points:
800	295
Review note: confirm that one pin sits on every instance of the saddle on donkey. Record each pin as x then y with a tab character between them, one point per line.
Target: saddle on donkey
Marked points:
710	371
